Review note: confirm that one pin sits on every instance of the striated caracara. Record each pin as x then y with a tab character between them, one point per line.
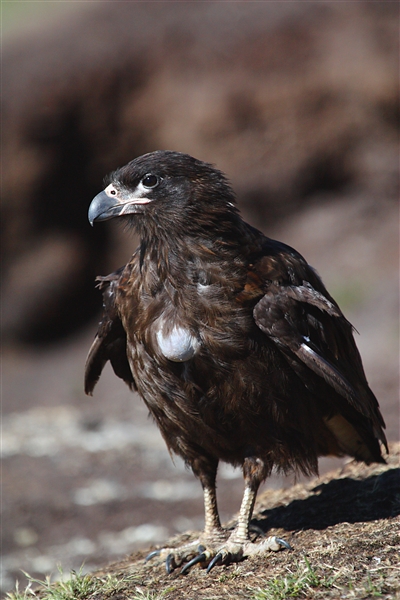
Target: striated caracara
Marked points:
230	338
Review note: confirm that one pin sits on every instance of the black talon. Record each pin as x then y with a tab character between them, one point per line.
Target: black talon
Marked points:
152	555
197	559
215	561
284	543
256	529
170	563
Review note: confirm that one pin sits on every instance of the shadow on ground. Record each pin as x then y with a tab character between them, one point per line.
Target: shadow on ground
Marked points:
338	501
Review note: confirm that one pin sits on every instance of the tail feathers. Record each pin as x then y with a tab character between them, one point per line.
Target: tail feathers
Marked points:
354	444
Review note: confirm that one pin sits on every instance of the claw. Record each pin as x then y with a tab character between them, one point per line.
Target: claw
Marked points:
283	543
215	561
256	529
170	563
197	559
152	555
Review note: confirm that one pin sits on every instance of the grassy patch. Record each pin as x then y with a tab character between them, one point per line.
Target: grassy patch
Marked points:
303	581
77	587
314	582
296	584
353	556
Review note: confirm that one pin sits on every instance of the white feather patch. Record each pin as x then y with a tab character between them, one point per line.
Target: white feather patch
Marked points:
178	345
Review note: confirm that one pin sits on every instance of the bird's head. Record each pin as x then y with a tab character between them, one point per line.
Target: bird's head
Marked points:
164	188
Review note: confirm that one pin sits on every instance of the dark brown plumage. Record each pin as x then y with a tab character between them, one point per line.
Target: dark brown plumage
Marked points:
230	338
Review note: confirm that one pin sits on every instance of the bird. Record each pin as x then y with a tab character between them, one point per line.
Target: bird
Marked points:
232	341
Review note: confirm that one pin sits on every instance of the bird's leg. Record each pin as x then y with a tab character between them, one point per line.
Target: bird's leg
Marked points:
213	535
214	546
239	544
254	472
212	524
241	531
206	470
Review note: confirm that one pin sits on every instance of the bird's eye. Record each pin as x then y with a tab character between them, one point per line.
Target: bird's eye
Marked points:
150	181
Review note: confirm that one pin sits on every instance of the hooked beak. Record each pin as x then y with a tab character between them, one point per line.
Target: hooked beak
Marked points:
104	207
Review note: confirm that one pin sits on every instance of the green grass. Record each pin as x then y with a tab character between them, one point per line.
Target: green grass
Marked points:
295	585
305	582
77	587
146	595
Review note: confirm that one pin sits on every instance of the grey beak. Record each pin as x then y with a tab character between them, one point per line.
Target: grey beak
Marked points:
103	207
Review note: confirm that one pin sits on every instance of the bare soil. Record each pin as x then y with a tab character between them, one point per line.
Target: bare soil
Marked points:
344	530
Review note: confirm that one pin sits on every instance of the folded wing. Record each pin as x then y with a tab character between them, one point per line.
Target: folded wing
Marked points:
304	322
110	341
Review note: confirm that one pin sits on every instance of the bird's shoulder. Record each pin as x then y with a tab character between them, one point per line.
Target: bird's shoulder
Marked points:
296	309
270	263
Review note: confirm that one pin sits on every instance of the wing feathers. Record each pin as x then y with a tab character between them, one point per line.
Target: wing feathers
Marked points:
306	293
325	369
110	341
306	324
280	315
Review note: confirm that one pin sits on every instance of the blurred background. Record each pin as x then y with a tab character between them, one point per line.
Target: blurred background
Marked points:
297	102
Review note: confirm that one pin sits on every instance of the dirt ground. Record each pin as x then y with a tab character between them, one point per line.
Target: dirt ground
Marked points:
344	533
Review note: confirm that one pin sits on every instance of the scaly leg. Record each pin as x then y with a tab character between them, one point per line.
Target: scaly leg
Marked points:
239	544
213	535
214	546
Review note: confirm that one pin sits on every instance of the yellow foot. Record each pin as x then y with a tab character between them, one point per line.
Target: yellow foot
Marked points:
234	551
191	553
209	553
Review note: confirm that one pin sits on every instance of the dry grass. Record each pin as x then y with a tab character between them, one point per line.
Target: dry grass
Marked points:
344	529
